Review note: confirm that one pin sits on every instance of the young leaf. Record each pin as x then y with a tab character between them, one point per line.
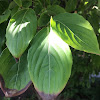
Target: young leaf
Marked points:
4	16
20	31
49	63
18	2
76	31
15	75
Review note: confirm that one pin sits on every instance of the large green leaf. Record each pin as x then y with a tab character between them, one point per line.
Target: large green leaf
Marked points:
20	31
15	75
49	63
76	31
5	16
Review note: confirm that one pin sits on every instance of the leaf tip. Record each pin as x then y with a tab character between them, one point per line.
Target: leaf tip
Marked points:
51	19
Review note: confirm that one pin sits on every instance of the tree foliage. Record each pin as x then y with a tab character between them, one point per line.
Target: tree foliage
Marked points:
46	42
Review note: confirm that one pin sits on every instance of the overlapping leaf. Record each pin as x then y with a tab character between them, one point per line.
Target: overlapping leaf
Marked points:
15	75
76	31
49	63
26	3
50	11
71	5
18	2
4	16
3	5
20	31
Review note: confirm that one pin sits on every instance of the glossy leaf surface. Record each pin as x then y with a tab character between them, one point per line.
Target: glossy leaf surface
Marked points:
20	31
15	75
49	63
76	31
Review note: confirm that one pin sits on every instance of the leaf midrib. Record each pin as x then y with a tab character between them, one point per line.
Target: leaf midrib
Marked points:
49	59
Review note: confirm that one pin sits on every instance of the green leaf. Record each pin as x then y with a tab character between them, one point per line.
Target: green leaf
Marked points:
18	2
5	16
20	31
94	20
99	4
14	10
12	5
38	6
50	11
44	19
76	31
71	5
3	6
26	3
15	75
55	9
49	63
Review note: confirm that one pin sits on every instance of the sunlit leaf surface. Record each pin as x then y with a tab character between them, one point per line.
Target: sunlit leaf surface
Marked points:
76	31
49	63
20	31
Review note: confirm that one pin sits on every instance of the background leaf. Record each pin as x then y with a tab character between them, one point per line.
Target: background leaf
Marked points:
76	31
71	5
55	9
51	10
15	75
26	3
3	6
2	35
49	63
4	16
94	20
20	31
44	19
18	2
